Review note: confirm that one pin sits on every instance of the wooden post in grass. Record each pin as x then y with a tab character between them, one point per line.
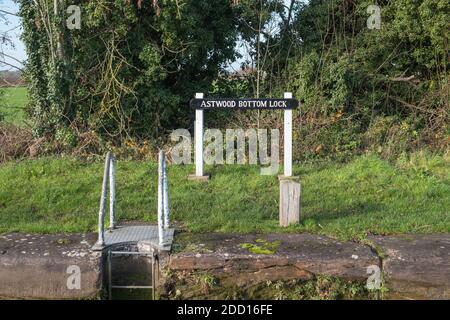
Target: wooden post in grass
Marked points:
289	200
289	185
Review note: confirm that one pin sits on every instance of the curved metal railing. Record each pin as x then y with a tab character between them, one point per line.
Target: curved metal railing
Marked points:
163	200
109	175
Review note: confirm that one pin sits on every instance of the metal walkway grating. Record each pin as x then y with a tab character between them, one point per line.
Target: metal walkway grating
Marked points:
139	233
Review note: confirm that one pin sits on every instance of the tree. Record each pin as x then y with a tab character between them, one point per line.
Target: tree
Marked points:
131	68
366	87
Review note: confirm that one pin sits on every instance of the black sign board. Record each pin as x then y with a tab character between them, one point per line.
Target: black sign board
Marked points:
205	104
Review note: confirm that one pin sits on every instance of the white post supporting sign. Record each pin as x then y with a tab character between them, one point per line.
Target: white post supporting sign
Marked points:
200	104
288	138
289	186
198	137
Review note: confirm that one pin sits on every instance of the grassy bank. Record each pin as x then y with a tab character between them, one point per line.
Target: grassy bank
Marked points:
367	195
15	99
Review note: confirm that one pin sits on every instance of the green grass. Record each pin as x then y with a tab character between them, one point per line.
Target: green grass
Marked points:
367	195
13	104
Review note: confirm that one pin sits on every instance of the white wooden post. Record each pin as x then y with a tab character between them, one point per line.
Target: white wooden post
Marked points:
290	188
288	139
199	139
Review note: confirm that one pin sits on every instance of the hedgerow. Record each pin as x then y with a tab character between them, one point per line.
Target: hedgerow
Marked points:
127	75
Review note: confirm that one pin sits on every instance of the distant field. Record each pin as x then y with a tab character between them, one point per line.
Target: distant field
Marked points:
12	109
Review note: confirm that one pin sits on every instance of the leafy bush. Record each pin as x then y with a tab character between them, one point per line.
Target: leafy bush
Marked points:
384	90
127	76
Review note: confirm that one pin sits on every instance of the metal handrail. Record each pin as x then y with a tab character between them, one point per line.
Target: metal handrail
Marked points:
109	175
163	199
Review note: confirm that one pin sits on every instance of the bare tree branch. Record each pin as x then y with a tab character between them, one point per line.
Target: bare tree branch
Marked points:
4	62
11	57
11	65
9	13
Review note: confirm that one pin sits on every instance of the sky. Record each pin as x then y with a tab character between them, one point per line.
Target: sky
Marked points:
13	24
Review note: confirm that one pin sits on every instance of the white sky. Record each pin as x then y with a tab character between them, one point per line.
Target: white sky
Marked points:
13	24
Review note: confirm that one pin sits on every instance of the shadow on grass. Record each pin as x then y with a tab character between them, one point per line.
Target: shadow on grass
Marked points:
363	209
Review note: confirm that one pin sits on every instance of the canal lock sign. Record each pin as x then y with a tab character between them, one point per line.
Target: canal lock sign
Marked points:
289	186
205	104
200	104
